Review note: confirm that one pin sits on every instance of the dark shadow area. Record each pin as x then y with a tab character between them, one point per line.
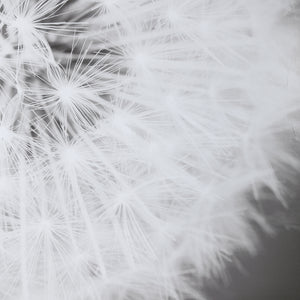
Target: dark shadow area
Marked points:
274	274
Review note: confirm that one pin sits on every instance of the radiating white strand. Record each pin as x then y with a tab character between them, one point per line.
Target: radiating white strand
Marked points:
137	138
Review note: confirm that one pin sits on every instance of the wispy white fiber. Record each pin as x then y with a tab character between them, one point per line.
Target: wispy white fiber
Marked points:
136	138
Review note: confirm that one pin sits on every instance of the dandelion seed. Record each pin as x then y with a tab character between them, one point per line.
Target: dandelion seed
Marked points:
131	135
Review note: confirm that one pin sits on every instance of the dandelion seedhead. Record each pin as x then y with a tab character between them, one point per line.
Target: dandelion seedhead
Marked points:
136	138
